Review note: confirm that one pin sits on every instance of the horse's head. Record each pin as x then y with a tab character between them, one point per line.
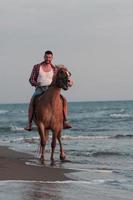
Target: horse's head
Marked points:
62	78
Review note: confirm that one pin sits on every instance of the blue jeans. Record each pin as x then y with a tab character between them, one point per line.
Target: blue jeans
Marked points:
39	90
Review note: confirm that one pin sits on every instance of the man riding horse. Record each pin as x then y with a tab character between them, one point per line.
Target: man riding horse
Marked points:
41	78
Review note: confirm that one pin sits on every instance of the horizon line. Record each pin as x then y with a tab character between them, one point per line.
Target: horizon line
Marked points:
80	101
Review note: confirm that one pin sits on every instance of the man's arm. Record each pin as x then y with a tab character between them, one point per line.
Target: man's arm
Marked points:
34	75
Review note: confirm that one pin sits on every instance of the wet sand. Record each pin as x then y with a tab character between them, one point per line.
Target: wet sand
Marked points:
13	167
21	181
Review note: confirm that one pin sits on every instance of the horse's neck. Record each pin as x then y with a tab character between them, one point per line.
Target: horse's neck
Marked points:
52	93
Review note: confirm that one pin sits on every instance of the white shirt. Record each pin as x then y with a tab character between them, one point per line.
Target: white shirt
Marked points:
45	78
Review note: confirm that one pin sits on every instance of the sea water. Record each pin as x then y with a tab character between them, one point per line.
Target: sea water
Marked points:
99	148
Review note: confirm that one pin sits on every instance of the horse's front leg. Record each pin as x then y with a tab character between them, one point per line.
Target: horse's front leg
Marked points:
41	131
53	145
62	153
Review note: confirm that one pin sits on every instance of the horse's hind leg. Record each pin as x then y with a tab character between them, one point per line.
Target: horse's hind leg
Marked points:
62	154
41	131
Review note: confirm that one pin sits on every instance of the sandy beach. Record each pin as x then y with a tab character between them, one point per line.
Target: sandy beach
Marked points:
13	167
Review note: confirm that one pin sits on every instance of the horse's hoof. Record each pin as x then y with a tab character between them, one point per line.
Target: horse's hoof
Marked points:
42	159
52	163
62	158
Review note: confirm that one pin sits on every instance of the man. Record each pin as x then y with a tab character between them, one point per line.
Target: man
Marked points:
41	77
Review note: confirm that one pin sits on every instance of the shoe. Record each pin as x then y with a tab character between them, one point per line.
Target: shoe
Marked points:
66	125
28	128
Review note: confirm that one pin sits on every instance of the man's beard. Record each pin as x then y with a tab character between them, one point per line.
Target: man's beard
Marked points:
47	62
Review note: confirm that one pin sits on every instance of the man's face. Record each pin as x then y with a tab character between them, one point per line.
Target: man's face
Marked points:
48	58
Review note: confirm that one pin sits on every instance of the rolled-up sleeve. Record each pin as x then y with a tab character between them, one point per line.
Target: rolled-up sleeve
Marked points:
34	75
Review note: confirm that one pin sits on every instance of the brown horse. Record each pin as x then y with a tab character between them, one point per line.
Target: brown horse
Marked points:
49	113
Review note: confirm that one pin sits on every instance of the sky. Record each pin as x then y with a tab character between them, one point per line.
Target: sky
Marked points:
93	38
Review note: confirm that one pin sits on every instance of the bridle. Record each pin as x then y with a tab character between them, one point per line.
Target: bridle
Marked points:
62	78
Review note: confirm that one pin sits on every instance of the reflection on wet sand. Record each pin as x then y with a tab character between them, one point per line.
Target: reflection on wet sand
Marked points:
28	191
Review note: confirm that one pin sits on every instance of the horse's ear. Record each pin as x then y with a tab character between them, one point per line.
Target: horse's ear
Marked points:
69	73
58	67
64	67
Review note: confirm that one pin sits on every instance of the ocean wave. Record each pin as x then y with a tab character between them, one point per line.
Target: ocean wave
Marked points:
94	129
120	136
17	111
92	137
105	154
33	139
120	115
15	128
81	137
65	137
17	139
98	154
11	128
8	140
5	128
22	139
46	182
3	111
81	182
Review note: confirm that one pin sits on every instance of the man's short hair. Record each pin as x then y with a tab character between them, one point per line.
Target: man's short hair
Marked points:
48	52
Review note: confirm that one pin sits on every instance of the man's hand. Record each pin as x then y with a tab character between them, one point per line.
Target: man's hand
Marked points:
38	84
